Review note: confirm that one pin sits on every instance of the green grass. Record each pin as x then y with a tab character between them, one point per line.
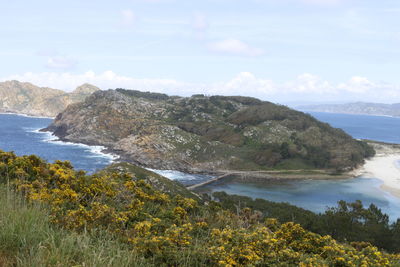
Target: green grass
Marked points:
158	181
27	238
294	164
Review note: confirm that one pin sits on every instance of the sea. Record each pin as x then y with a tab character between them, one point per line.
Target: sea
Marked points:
21	134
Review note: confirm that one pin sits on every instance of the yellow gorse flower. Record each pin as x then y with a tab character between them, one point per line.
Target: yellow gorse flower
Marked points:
163	226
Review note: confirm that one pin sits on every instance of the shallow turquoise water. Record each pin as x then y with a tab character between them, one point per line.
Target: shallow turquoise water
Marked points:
318	195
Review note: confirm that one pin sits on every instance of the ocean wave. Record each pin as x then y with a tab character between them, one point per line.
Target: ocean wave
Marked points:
26	115
96	151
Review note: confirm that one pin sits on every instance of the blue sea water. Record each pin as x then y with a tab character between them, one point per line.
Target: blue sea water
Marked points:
378	128
21	135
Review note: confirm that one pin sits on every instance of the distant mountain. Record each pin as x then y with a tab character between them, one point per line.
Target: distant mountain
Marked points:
202	133
26	98
356	108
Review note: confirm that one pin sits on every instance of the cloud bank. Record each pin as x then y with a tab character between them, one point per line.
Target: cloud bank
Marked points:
235	47
304	88
128	17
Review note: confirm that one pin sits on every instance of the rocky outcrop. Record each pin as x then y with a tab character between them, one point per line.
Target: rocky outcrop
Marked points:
26	98
201	133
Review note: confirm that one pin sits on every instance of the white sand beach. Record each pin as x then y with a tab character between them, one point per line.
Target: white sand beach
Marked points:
384	167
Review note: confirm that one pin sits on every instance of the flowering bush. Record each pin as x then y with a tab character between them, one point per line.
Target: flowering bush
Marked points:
171	229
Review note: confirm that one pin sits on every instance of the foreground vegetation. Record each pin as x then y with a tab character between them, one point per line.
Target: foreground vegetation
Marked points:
346	222
28	238
54	215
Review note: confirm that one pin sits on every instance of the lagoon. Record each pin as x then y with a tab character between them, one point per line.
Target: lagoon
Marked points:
317	195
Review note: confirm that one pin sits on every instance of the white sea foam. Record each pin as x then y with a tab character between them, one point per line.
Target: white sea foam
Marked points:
26	115
96	151
179	176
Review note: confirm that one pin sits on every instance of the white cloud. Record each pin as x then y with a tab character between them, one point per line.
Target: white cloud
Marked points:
245	83
235	47
108	79
154	1
309	83
128	17
200	22
309	2
322	2
358	85
305	87
60	62
200	25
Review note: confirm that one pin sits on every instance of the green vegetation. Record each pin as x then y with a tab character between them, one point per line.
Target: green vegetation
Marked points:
149	95
208	133
28	238
346	222
269	135
52	215
157	181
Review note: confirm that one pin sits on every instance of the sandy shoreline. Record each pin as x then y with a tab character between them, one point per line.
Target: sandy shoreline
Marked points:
384	167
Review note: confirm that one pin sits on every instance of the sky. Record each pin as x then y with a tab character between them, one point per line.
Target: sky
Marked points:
285	51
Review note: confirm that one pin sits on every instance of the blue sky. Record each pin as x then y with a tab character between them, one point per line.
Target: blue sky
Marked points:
278	50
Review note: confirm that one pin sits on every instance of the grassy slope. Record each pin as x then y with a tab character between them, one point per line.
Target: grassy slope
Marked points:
27	238
160	182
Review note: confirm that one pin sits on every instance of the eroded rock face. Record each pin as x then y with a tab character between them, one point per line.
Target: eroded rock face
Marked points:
202	133
26	98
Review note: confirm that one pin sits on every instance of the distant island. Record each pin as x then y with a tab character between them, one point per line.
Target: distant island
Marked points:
207	133
26	98
356	108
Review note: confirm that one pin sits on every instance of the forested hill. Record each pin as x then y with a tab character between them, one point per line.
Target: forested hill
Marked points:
206	133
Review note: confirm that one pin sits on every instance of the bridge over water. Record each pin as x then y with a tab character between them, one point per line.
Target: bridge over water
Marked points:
210	181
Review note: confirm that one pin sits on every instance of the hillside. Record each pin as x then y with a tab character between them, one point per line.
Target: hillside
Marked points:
201	133
52	215
26	98
357	108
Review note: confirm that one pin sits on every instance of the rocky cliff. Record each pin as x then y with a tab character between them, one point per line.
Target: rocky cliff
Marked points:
26	98
202	133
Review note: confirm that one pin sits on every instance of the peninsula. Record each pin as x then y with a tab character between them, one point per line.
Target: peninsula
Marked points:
207	133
